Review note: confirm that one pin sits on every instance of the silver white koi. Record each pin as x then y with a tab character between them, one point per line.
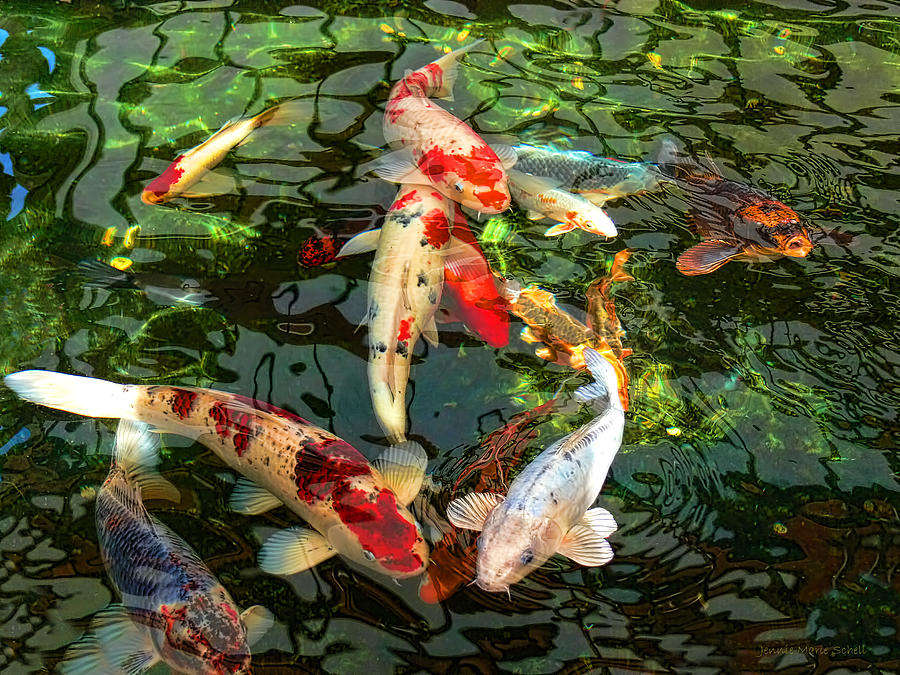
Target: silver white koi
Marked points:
547	508
542	200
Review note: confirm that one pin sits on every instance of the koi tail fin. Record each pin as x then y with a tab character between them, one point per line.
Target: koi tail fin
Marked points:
605	385
100	275
87	396
137	453
294	111
449	65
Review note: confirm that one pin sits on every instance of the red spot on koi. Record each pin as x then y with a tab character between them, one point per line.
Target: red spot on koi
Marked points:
436	73
320	466
406	199
479	166
437	229
228	418
160	186
393	540
404	334
183	402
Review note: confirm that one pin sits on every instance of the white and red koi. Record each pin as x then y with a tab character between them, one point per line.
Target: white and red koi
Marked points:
405	287
438	148
174	610
359	510
182	177
541	199
547	508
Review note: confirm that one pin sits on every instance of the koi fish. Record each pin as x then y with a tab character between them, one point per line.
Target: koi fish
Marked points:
357	509
174	610
736	220
183	176
564	337
317	250
452	562
547	508
405	287
541	199
597	179
470	291
438	149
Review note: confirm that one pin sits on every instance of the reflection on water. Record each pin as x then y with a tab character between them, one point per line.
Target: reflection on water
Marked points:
756	490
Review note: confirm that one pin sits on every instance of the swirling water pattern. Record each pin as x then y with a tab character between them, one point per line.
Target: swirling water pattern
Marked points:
757	489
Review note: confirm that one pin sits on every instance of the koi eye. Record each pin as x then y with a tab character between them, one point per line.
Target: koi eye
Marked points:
527	556
368	555
458	187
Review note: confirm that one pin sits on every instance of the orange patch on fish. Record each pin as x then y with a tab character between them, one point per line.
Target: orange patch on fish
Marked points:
769	214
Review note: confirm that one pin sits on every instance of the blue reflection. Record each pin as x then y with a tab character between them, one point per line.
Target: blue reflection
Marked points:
34	91
20	436
50	56
3	110
17	199
6	163
3	35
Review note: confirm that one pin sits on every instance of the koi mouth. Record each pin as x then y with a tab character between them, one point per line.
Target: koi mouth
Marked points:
797	248
150	197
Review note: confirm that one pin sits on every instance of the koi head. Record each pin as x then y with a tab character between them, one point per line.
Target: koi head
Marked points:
777	225
512	544
475	178
162	188
593	220
204	635
379	533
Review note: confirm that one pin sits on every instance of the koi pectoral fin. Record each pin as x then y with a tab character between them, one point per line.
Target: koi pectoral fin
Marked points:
116	644
559	228
706	257
399	167
363	242
470	512
257	621
294	550
403	468
250	499
586	543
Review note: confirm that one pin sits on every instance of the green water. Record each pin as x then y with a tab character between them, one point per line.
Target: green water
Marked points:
757	488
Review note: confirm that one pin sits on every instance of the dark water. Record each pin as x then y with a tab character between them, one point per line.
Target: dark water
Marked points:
757	489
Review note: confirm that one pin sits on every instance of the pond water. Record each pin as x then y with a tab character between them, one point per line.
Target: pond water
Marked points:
756	490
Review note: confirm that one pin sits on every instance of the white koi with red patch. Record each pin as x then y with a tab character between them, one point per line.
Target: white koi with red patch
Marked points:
438	148
404	291
542	200
357	509
195	164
